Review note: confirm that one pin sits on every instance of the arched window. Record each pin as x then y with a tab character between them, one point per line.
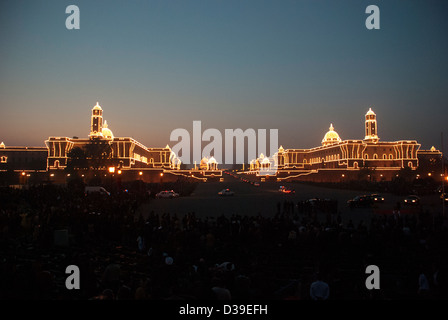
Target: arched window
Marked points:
410	164
375	156
391	156
304	160
384	156
56	164
355	165
366	156
4	159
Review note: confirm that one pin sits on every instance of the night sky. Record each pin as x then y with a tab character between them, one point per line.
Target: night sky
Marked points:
155	66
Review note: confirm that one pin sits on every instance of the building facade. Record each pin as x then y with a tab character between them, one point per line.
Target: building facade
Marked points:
335	158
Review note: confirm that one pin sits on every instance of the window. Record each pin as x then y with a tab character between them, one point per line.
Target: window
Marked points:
355	165
4	159
384	156
391	156
410	164
366	156
56	164
304	160
375	156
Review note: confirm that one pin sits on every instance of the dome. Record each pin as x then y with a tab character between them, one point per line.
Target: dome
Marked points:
331	137
97	107
204	163
107	133
212	160
265	161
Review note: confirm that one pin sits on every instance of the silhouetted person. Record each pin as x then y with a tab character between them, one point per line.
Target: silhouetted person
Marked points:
319	289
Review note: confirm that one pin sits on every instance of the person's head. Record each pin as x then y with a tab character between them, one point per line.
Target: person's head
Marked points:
124	293
107	294
217	282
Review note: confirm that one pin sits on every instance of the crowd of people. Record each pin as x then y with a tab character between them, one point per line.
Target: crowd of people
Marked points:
124	253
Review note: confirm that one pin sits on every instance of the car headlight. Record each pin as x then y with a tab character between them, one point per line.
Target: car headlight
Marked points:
413	200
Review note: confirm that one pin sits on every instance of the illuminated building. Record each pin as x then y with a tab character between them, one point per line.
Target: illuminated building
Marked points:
19	164
100	151
22	158
208	164
337	158
124	153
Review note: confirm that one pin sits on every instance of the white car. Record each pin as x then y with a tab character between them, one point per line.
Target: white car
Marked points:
96	189
167	194
226	192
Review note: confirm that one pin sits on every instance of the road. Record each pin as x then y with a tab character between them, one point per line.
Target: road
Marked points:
252	200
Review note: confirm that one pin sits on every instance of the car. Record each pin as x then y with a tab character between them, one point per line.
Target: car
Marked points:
167	194
444	198
226	192
256	184
360	201
96	189
412	200
289	191
377	198
281	188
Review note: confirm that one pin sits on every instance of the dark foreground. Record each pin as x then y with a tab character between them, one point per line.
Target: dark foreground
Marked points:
127	249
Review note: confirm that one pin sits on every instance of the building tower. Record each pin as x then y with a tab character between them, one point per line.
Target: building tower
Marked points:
371	127
96	123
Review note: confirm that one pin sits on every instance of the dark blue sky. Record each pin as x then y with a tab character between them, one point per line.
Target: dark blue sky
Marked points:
158	65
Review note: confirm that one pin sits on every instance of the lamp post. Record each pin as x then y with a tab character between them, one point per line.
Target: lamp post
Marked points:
443	180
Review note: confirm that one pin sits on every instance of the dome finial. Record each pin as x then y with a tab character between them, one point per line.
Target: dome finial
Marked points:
331	127
370	112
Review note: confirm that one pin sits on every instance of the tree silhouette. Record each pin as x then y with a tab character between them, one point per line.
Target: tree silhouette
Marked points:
77	159
98	154
407	174
365	172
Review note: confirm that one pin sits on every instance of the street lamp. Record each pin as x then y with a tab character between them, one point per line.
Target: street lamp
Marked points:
111	169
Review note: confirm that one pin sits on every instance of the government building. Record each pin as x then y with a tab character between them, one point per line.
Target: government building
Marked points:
100	154
103	154
338	160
